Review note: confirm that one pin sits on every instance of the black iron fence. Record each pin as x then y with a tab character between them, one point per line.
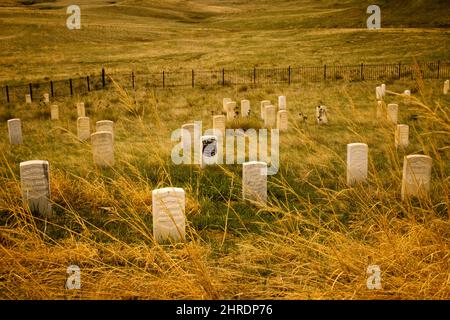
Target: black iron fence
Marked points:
227	77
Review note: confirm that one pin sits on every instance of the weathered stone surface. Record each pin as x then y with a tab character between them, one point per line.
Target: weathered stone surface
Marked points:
169	221
103	148
392	113
15	131
254	181
416	179
402	136
83	128
35	185
357	162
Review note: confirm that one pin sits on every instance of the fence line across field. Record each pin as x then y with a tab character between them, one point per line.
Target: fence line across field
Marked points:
226	77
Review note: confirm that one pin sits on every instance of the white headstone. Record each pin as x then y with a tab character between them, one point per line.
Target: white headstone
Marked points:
15	131
392	113
35	185
264	103
282	120
83	128
282	103
416	175
383	90
380	109
219	123
379	93
254	181
245	108
402	136
357	162
46	98
54	112
81	110
321	115
231	110
169	221
209	150
224	103
103	148
28	98
407	92
270	117
446	86
105	125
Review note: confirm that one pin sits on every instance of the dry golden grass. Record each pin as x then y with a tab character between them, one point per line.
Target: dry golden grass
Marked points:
314	239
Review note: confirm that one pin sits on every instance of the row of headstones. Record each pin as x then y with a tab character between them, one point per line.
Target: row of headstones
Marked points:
269	113
245	104
391	111
380	91
168	204
102	140
46	98
207	148
271	116
391	114
54	111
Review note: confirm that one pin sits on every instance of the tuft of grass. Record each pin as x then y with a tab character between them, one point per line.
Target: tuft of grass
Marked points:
244	124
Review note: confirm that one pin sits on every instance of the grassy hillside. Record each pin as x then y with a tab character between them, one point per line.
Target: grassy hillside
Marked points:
316	236
171	34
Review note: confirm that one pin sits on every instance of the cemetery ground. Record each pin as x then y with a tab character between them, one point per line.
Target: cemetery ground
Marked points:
314	239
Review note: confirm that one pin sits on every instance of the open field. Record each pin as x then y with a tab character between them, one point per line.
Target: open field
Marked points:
316	236
156	35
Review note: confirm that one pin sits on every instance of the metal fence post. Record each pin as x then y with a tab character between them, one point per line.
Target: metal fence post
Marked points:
71	88
51	89
362	71
289	75
88	84
132	78
31	91
193	81
7	94
103	77
223	77
324	72
164	79
254	75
